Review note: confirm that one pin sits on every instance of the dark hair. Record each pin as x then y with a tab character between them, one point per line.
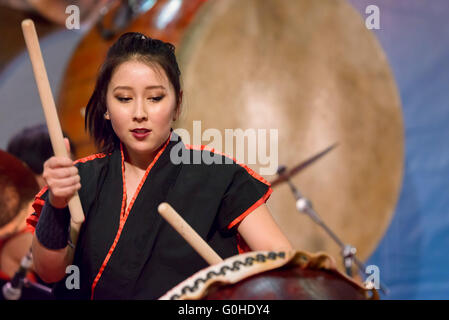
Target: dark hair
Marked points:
32	145
130	46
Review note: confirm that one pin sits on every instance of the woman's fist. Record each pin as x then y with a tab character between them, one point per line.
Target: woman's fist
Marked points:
62	179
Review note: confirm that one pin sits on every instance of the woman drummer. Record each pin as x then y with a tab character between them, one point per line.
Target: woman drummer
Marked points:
125	250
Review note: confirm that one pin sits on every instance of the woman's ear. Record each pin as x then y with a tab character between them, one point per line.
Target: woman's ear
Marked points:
106	115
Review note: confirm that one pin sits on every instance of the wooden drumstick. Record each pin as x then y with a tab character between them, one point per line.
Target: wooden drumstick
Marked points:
51	116
186	231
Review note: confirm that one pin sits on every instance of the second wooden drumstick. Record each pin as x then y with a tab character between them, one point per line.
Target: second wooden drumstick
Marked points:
190	235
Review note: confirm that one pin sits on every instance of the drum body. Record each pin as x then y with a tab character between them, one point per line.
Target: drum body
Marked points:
289	283
262	275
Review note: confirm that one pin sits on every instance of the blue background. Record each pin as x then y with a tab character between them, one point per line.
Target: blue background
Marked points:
413	256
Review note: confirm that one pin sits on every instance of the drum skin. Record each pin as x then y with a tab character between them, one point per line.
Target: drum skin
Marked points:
313	72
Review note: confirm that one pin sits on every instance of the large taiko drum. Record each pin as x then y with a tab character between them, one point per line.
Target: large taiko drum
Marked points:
312	72
263	275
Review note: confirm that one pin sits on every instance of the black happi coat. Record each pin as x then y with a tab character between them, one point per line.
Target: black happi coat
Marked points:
134	253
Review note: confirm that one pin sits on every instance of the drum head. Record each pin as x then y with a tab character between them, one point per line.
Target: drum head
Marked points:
313	71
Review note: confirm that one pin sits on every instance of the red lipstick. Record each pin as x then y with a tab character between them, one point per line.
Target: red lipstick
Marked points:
140	133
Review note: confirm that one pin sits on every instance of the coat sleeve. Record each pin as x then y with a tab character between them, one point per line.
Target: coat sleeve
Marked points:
37	205
245	193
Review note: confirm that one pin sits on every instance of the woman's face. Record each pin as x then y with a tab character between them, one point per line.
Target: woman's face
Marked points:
141	105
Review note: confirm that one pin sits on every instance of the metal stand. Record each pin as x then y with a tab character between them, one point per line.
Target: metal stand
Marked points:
12	290
28	284
348	252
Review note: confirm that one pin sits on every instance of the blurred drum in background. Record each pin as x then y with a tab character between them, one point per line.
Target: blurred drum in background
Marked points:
315	73
18	186
23	5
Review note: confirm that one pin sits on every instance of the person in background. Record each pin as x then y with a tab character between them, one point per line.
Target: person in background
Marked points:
33	147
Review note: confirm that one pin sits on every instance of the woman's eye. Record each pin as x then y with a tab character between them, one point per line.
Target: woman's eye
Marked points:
123	99
156	99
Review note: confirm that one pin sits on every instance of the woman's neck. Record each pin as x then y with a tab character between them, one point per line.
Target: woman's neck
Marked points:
138	161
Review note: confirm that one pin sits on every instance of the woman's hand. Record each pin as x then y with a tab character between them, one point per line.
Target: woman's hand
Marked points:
62	179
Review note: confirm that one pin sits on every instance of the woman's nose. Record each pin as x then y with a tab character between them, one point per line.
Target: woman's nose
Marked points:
140	113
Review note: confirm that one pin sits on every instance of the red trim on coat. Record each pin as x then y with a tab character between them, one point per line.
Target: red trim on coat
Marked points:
242	246
123	214
37	205
91	157
251	209
251	172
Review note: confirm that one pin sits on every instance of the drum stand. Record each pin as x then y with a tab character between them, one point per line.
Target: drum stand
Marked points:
348	252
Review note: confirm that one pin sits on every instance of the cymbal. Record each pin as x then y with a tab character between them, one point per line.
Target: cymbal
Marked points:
312	71
284	176
18	186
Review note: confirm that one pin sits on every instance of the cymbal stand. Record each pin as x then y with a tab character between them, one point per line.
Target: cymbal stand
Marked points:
348	252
